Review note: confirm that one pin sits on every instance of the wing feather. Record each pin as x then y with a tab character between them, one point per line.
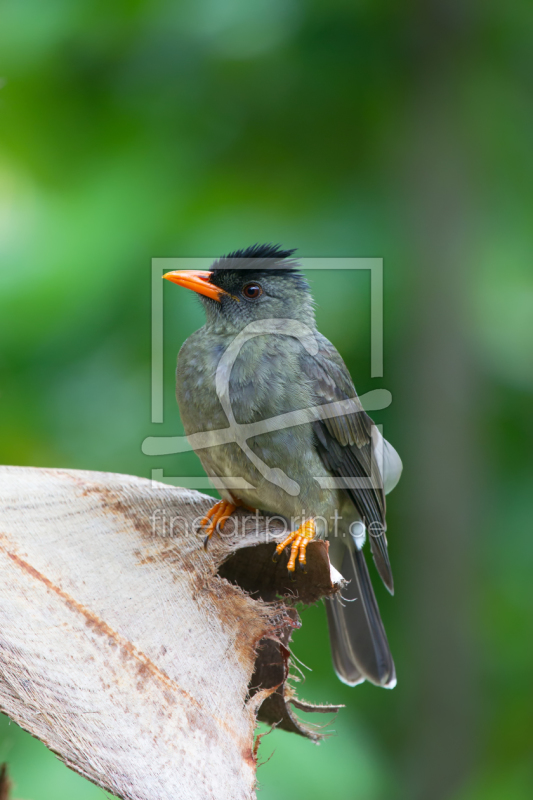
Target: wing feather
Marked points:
345	446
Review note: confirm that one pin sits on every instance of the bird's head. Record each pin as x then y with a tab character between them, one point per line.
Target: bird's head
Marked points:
261	282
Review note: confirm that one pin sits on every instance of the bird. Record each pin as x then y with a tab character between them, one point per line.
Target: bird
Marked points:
305	449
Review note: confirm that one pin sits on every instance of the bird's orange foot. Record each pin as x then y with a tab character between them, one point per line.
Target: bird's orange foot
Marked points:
216	517
298	540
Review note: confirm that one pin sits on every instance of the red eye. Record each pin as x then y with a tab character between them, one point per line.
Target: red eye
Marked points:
252	290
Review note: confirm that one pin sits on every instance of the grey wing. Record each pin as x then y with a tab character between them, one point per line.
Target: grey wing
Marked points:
345	445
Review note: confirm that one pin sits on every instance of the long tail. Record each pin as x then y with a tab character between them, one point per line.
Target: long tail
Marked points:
359	645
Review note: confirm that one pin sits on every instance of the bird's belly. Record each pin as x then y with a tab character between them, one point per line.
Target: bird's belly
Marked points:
277	474
276	471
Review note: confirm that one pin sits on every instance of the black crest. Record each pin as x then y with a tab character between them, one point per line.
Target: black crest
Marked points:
256	260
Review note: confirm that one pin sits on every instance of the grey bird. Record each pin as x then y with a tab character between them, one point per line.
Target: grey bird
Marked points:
302	445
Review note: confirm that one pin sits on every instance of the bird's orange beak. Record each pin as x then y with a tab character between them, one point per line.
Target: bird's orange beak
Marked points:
197	280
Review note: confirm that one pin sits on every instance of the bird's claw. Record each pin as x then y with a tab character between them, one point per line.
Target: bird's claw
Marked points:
216	518
298	540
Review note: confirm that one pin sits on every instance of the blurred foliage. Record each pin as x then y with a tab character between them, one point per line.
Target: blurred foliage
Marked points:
139	129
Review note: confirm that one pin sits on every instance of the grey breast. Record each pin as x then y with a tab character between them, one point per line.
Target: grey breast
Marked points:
265	382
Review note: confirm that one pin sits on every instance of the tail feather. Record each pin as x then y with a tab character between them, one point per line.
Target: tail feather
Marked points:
359	645
343	662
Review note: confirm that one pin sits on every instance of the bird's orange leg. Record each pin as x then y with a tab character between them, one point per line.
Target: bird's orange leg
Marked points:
217	516
298	540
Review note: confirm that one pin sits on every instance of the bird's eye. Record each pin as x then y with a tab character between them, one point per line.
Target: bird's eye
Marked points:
252	290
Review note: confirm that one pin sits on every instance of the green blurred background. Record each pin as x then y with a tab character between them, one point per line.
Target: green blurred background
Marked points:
164	128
